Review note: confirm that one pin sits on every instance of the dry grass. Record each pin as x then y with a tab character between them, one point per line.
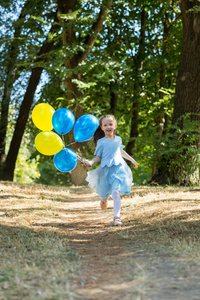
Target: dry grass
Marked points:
168	216
35	260
35	257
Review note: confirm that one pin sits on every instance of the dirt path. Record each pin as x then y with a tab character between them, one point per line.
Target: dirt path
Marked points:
154	255
140	259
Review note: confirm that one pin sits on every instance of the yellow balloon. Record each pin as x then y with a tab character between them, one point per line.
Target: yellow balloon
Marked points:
48	143
42	116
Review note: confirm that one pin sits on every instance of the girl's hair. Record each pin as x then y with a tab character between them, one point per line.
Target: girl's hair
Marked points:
99	134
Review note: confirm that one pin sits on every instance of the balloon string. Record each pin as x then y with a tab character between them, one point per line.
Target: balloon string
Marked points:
68	144
63	140
78	156
71	143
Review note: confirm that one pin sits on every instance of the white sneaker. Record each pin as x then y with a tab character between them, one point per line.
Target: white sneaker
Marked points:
117	221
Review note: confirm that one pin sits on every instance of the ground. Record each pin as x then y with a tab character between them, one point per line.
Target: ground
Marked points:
132	261
153	255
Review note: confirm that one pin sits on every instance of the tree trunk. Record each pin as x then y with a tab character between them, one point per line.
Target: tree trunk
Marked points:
187	94
113	97
9	166
10	78
138	62
160	118
78	175
134	128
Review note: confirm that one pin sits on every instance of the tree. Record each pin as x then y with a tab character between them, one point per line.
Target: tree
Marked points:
9	163
184	137
66	15
187	96
15	61
123	66
73	58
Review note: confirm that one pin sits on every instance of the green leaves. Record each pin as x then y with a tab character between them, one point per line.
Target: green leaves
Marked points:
134	59
82	85
69	16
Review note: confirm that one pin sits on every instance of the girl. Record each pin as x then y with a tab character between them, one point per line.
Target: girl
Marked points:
114	176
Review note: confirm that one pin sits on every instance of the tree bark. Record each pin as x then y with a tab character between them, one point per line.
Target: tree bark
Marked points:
187	94
113	97
138	61
10	78
78	175
160	118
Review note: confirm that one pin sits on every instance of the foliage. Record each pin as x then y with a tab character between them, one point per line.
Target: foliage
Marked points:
26	169
118	64
49	175
179	151
112	67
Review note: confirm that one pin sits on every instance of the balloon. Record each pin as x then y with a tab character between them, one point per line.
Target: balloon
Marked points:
63	120
65	160
85	127
48	143
42	116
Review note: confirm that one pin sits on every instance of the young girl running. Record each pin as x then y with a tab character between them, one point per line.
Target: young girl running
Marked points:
113	177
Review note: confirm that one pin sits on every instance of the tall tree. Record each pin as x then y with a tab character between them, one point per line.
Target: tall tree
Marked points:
186	103
9	165
118	69
138	62
187	96
66	10
9	79
73	58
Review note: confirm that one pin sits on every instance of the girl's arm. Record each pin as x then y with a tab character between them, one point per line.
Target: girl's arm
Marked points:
127	156
89	163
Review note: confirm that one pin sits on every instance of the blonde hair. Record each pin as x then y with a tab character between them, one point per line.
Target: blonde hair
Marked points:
99	134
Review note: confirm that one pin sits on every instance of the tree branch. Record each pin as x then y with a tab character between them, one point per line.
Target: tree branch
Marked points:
96	28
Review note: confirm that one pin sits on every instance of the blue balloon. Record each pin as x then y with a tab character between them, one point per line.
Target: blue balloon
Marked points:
85	128
65	160
63	120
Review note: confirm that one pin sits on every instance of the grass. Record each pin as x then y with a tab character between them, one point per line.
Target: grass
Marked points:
34	264
34	261
168	216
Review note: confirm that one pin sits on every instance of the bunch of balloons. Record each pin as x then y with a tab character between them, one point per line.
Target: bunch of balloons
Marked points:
62	121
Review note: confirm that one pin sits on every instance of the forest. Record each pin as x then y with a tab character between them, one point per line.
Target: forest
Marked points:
138	60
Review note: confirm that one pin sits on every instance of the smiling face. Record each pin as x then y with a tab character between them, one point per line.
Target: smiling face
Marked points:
108	125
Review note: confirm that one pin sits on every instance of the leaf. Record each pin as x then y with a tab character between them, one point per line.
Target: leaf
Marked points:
83	85
69	16
40	20
29	221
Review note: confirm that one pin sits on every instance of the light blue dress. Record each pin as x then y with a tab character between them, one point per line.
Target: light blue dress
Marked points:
113	173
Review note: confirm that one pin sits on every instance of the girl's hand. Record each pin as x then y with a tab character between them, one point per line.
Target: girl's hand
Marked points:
135	164
86	163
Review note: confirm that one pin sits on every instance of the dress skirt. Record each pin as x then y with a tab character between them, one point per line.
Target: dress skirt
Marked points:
105	179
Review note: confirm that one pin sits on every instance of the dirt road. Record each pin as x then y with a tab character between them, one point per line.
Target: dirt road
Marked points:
154	255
